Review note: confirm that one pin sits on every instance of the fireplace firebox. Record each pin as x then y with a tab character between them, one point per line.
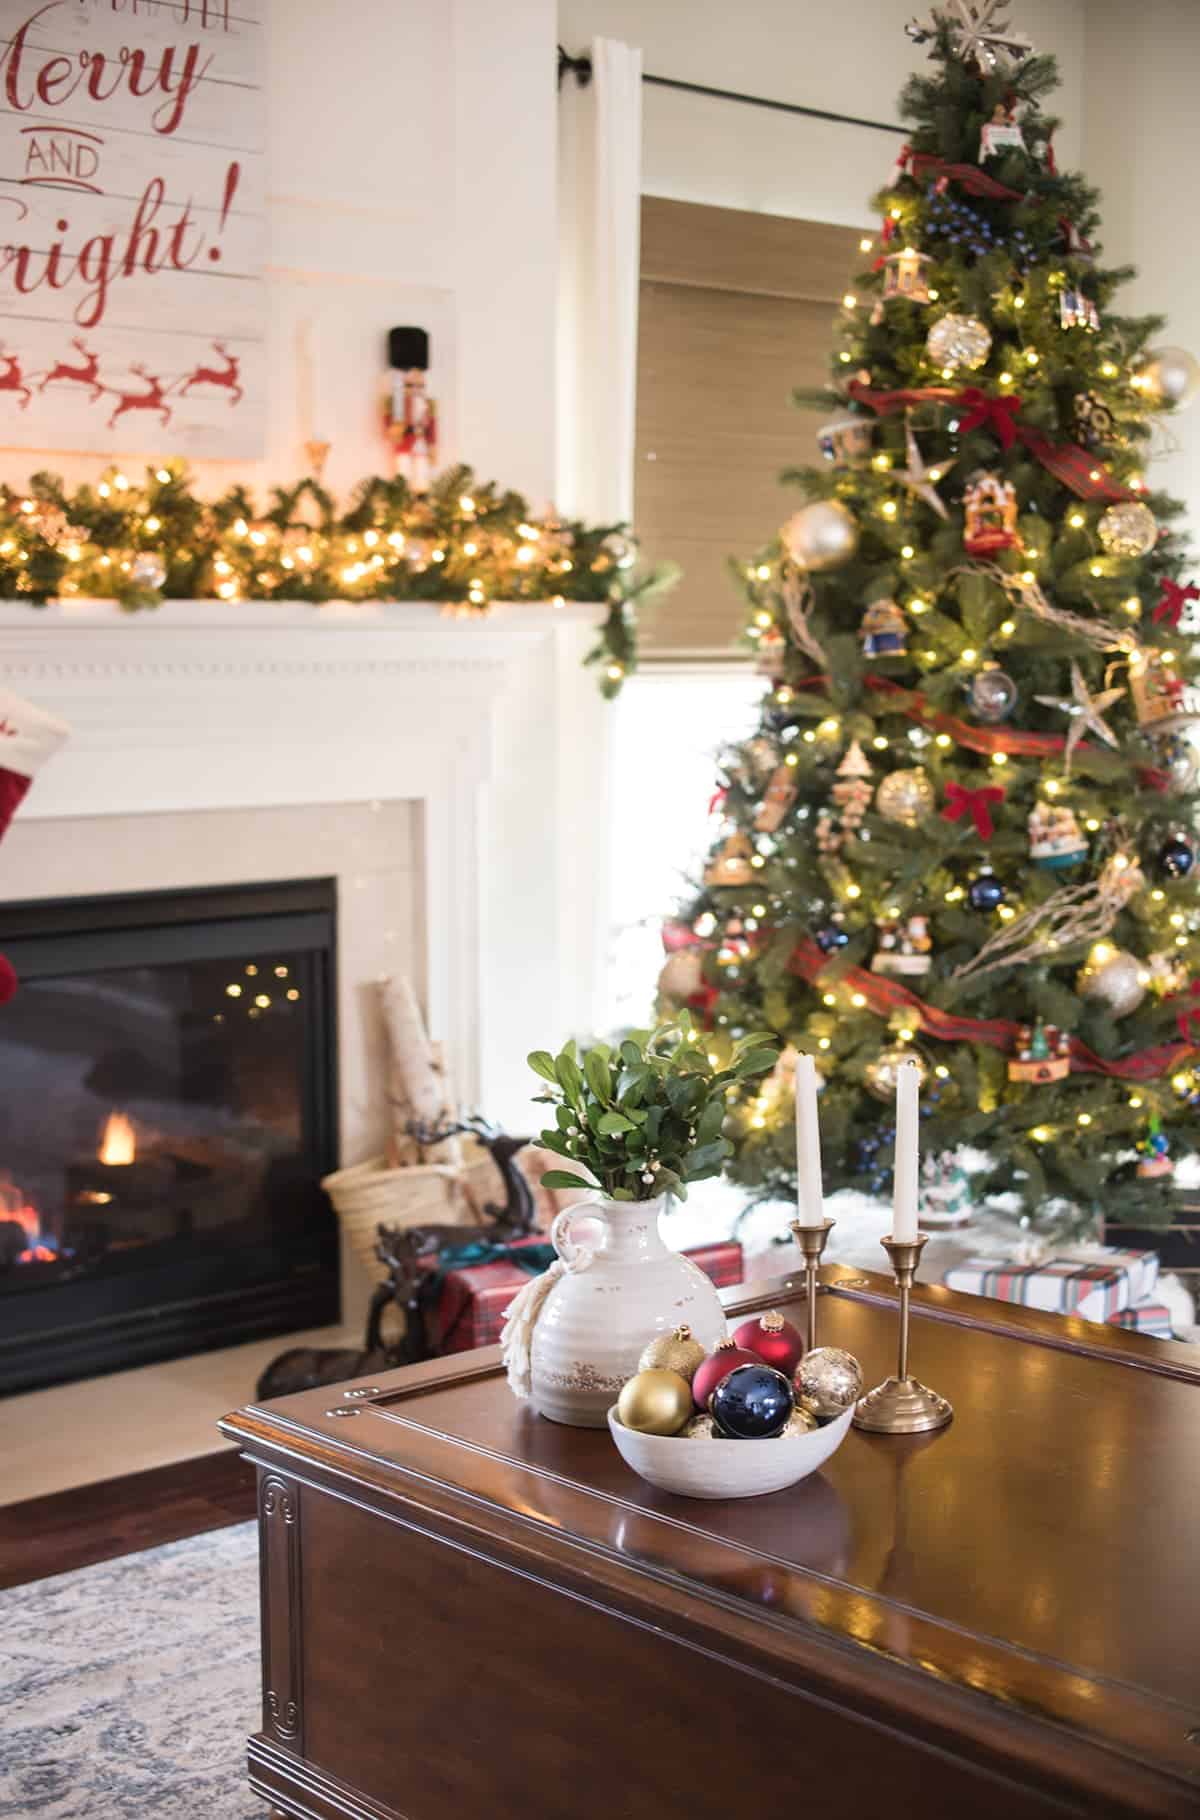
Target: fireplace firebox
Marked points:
167	1109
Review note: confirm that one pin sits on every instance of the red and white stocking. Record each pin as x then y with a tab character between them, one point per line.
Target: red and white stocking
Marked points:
28	737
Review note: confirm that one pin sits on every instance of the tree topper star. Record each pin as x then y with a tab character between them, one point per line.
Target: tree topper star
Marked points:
979	31
1086	712
919	479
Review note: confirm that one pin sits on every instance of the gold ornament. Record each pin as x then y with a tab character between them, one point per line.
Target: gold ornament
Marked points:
881	1075
828	1380
676	1351
960	343
702	1428
801	1422
1128	529
822	535
905	797
655	1402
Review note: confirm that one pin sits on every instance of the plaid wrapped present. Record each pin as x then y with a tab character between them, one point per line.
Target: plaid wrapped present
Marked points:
1153	1318
1092	1288
469	1297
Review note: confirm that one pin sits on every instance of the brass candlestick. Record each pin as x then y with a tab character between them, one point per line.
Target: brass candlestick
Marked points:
811	1240
901	1405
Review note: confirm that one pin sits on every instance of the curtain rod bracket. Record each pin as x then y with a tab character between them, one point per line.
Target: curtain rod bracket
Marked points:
580	67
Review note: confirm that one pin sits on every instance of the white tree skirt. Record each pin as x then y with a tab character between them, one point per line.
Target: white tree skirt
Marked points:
712	1208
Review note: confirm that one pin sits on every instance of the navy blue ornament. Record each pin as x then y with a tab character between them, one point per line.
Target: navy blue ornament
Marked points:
831	938
752	1404
985	892
1176	856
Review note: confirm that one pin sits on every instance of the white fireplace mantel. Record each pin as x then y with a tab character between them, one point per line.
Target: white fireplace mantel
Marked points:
490	724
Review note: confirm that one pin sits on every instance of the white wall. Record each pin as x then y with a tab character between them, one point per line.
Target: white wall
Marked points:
850	58
1142	148
410	178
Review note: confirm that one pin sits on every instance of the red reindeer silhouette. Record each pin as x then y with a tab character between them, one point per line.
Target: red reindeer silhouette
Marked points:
154	399
85	374
11	379
226	377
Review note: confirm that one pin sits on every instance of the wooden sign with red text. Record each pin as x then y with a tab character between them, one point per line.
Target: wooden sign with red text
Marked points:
131	225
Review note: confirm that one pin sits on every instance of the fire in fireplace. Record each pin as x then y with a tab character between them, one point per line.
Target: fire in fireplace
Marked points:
166	1116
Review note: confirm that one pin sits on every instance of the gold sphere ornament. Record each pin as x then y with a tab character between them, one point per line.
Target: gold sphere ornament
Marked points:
675	1351
906	797
827	1382
702	1428
1128	529
1170	376
655	1402
881	1075
800	1422
822	535
961	343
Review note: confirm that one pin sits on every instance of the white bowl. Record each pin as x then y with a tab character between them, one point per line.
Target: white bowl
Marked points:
727	1469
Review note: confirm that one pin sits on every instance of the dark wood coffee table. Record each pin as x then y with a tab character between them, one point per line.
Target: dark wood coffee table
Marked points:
469	1612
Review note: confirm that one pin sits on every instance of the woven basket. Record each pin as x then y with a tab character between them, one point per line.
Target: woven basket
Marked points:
416	1194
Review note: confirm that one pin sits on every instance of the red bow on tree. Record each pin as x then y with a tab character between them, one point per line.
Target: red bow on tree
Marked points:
995	414
976	803
1174	599
1190	1013
717	800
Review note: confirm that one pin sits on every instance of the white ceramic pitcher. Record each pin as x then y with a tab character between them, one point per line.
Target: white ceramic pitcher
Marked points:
612	1299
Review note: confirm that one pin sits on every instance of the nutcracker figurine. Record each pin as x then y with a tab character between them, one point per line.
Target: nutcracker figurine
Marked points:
884	630
410	415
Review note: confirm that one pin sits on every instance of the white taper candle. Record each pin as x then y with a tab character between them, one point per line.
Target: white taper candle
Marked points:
810	1209
904	1194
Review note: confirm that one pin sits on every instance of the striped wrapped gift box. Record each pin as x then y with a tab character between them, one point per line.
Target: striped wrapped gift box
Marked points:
1153	1318
1095	1288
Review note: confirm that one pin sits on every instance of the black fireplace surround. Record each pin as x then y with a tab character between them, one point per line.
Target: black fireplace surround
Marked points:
167	1109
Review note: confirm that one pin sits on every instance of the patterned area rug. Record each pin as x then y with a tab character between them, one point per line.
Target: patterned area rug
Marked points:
127	1690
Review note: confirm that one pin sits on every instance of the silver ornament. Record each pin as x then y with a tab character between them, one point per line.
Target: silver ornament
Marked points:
993	693
1128	529
959	342
1170	376
881	1076
702	1428
827	1381
905	797
1113	977
822	535
148	570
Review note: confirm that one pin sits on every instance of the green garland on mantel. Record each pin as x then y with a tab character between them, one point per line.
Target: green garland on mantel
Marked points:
463	544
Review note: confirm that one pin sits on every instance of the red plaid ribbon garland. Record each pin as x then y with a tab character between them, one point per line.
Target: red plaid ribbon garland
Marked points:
969	177
1076	469
1190	1013
884	996
1173	600
976	803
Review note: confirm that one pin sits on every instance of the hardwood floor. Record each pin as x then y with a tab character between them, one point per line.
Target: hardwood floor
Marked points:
68	1529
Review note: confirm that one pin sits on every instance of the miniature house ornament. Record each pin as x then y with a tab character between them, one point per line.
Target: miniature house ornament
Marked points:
906	274
904	946
884	630
990	509
1075	311
1043	1053
1159	696
1055	840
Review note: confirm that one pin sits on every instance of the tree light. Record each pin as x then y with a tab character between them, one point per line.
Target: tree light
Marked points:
163	476
1085	1118
888	508
1031	357
1136	1100
969	656
829	725
907	553
1006	379
809	738
1008	628
829	998
999	758
857	1000
853	890
153	524
844	357
1076	519
942	1072
881	461
1040	1134
849	300
943	739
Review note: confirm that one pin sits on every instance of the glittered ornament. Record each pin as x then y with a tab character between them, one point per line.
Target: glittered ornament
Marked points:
822	535
1176	856
882	1073
1178	758
148	570
831	938
1170	376
1094	422
701	1428
800	1422
992	694
1113	977
752	1403
1128	529
675	1351
906	797
961	343
725	1357
985	893
655	1402
828	1381
775	1341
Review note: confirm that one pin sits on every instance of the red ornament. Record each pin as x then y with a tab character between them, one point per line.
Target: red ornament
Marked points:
774	1340
725	1357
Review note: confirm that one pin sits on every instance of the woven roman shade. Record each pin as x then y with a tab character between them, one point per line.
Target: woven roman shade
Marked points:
736	308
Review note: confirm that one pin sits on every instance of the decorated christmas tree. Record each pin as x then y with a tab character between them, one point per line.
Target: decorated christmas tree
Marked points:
963	828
